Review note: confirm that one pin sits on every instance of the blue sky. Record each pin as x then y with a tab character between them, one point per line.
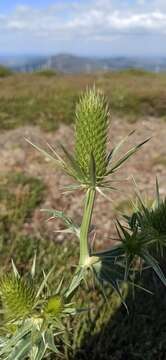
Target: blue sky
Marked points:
86	27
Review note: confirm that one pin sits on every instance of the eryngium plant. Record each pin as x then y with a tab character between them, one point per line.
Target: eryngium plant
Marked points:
91	164
33	317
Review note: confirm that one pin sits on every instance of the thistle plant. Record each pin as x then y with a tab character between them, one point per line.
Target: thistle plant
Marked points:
33	319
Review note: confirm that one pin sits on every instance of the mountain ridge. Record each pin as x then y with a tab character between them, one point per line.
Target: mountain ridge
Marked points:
70	63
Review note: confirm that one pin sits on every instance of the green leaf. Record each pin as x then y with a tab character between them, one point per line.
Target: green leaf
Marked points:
41	350
44	282
33	268
126	157
49	337
21	350
15	271
24	330
157	201
109	272
74	164
71	187
77	279
67	220
152	262
114	252
119	145
45	153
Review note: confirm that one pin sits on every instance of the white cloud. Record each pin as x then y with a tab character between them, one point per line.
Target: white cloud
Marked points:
92	17
98	20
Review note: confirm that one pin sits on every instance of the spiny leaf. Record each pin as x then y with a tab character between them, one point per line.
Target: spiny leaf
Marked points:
49	337
152	262
129	153
61	215
77	279
114	252
41	349
21	350
77	171
20	334
33	268
44	152
110	273
118	146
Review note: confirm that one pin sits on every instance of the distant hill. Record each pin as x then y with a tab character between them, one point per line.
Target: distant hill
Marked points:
74	64
67	63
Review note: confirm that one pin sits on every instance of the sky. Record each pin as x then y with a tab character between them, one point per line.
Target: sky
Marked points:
83	27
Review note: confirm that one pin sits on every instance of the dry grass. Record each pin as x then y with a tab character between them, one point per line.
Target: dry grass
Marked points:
48	100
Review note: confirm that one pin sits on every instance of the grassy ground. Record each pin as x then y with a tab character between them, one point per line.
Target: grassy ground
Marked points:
47	98
19	196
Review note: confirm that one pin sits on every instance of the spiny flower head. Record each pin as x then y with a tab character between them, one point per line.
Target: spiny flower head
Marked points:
54	306
91	127
156	218
151	220
18	297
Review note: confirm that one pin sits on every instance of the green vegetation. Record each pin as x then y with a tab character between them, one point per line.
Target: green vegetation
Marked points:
5	72
19	196
46	100
46	72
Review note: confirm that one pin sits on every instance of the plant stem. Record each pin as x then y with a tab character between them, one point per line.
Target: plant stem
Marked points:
86	221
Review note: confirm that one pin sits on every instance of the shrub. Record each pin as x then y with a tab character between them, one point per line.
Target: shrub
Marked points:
4	71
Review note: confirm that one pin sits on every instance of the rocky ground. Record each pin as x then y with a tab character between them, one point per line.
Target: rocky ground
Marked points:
17	154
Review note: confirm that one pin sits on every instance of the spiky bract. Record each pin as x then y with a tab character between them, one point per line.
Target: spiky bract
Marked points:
91	127
18	297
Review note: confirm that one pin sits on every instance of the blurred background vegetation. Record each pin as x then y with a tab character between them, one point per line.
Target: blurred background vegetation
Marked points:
47	98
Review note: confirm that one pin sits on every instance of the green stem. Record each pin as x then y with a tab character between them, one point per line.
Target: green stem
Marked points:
86	221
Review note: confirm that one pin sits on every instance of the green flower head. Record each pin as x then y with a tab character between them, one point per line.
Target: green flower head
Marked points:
17	297
54	306
91	127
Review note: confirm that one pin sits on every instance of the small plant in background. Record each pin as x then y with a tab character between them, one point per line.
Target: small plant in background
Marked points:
5	72
34	317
